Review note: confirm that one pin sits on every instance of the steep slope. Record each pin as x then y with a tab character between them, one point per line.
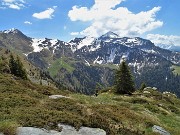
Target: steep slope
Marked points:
23	103
15	40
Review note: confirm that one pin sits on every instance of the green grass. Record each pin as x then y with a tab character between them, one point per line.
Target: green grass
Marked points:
26	104
58	64
111	66
8	127
176	69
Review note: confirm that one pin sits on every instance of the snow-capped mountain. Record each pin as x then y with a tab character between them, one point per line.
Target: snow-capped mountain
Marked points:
82	62
13	30
170	47
110	48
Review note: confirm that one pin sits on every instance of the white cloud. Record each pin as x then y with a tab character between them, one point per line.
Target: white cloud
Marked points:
74	33
27	22
13	4
9	1
164	39
106	16
47	14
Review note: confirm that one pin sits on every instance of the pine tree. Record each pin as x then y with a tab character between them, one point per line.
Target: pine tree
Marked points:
12	65
124	83
16	67
20	71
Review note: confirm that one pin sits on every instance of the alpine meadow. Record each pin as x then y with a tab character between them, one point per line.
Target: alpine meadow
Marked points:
94	67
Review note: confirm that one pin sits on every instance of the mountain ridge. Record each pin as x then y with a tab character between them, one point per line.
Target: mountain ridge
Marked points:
74	62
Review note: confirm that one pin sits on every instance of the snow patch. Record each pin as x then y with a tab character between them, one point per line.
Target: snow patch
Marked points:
112	55
13	30
149	51
98	60
87	63
85	42
36	43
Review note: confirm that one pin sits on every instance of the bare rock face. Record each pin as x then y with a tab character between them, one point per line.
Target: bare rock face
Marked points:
66	130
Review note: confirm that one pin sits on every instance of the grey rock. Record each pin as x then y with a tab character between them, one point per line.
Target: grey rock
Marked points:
66	130
35	131
160	130
1	134
69	130
57	96
147	88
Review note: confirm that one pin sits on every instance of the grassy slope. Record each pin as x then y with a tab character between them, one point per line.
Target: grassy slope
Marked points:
176	69
25	104
60	63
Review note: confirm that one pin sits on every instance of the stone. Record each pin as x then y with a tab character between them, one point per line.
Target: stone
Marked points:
69	130
57	96
154	88
35	131
146	92
160	130
147	88
66	130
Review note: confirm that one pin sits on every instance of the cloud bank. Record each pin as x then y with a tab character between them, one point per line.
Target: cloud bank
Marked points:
107	16
164	39
13	4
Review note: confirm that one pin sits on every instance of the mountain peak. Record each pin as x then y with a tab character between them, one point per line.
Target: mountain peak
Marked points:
109	34
12	30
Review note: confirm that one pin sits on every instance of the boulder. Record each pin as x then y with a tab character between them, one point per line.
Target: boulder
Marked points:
66	130
154	88
69	130
35	131
147	88
57	96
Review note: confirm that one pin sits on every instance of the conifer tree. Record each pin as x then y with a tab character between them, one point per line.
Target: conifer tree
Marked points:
20	71
12	64
124	83
16	67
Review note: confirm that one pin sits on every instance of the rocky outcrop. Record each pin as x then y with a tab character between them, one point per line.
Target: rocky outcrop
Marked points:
66	130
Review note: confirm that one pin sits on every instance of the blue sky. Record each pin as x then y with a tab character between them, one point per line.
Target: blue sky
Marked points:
157	20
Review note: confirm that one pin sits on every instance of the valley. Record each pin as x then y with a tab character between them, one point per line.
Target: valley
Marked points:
82	63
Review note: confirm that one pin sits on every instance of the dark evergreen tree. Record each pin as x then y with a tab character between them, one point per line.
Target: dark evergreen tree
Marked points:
16	67
20	71
124	83
12	65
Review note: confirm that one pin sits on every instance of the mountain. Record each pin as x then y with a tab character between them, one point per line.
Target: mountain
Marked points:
170	47
83	63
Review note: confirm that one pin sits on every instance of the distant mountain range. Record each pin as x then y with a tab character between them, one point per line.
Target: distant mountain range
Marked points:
83	63
170	47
